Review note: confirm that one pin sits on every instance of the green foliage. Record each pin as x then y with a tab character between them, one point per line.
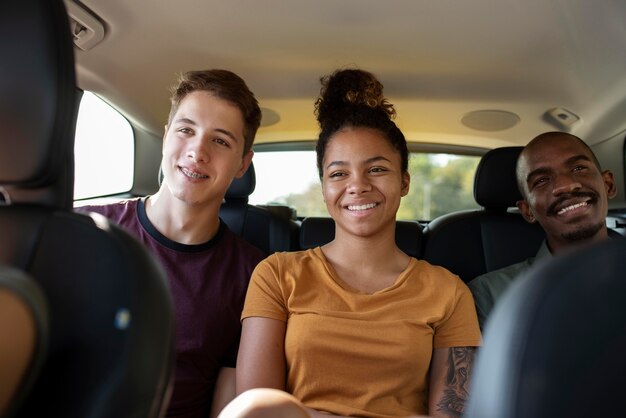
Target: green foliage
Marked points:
439	184
308	203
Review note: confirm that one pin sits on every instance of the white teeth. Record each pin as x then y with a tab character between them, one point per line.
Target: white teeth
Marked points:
362	207
572	207
192	174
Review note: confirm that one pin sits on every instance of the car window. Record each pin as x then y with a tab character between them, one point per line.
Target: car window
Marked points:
104	150
440	183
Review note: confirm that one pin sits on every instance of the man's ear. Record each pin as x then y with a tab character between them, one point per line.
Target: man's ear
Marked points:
525	210
609	182
245	163
406	182
164	136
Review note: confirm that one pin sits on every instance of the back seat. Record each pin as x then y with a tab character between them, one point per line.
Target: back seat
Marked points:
316	231
472	242
271	228
468	243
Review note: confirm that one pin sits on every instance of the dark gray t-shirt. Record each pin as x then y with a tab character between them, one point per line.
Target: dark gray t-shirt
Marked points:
487	288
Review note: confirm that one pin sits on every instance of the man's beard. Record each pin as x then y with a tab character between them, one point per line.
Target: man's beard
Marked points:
583	233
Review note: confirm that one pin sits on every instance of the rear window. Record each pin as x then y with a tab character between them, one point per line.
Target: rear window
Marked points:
440	183
104	150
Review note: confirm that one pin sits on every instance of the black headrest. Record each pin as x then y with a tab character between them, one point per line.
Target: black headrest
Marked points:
37	98
242	187
495	183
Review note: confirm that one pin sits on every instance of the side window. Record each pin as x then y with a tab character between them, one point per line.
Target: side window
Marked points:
288	178
440	183
104	150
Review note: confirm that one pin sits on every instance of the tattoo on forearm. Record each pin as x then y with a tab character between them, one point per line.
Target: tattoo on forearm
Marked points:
460	362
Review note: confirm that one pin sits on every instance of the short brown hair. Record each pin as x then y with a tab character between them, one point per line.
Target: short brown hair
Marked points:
227	86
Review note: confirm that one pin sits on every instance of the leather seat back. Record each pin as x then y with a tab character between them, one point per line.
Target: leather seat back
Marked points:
472	242
111	326
269	228
317	231
554	344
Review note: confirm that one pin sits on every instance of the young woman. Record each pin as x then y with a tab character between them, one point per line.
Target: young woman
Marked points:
356	327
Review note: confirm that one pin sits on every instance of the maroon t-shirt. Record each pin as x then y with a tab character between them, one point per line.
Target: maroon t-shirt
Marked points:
208	283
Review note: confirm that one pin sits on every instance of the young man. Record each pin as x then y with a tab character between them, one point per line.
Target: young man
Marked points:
565	190
207	142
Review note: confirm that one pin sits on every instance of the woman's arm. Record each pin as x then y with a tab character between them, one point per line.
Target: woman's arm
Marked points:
450	373
261	358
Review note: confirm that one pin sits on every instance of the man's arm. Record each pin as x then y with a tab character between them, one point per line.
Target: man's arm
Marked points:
224	390
482	299
450	373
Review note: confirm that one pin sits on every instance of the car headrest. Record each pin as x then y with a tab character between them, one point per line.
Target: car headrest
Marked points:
38	102
242	187
495	183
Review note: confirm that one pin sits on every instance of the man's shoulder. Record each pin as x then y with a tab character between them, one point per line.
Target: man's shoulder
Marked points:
501	277
123	213
111	210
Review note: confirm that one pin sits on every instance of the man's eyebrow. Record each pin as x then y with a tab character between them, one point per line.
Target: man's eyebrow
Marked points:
578	158
536	172
220	130
186	120
228	133
545	170
368	161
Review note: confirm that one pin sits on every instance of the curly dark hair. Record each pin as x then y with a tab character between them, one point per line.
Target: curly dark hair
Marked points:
354	98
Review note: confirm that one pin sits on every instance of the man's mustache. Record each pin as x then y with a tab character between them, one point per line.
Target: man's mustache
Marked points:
593	196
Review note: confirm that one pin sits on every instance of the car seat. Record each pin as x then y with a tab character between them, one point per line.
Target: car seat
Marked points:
271	228
24	312
554	346
472	242
111	326
317	231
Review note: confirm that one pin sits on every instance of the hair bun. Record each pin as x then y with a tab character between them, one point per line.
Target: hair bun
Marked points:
344	90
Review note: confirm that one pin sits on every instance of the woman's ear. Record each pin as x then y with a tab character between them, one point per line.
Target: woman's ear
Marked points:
406	182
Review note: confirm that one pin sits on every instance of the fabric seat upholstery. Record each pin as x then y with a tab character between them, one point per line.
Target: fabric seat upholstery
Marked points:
472	242
111	326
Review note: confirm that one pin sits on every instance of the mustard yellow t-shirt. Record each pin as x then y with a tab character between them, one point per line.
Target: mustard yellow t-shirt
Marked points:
356	354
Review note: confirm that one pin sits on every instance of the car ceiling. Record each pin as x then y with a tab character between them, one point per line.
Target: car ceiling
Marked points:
439	60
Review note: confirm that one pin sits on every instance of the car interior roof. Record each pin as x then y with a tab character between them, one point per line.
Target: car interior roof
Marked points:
478	74
438	59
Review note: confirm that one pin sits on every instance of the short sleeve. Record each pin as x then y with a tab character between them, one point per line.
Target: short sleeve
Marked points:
460	327
265	297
